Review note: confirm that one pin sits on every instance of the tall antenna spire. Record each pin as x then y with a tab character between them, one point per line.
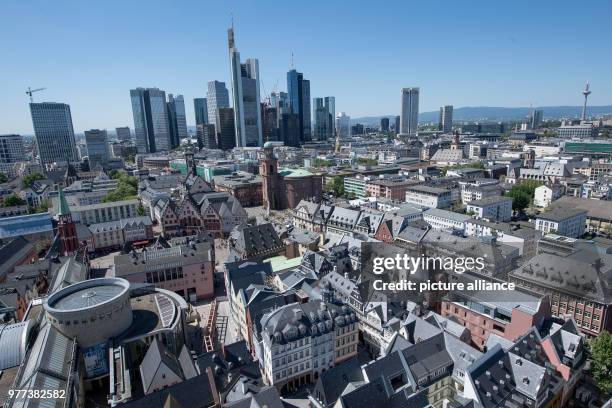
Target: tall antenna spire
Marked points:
586	93
292	66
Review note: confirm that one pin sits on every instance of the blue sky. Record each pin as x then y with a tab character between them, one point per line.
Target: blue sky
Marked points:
472	53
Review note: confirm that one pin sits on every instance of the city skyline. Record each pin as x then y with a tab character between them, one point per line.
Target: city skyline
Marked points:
504	69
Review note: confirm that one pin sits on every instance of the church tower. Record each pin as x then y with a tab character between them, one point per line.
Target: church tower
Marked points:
268	169
66	229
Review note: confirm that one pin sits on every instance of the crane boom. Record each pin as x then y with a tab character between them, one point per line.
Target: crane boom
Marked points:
30	91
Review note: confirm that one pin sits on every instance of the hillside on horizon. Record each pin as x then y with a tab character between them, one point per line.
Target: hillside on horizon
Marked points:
495	114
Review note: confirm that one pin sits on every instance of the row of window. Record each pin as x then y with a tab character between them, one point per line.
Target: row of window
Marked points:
165	275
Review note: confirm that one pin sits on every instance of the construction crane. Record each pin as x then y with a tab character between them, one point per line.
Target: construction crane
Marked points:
30	91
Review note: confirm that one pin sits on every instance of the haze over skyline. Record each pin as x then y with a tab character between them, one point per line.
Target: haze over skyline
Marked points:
90	55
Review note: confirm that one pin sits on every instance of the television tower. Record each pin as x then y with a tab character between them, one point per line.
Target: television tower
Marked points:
586	93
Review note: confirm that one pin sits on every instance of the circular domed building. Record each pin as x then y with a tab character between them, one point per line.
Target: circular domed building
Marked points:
91	311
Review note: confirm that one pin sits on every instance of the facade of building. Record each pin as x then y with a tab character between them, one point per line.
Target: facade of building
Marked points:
576	288
11	152
245	93
54	133
225	128
104	212
177	120
432	197
151	122
583	131
410	111
245	187
115	234
493	208
445	220
545	195
569	222
123	134
298	342
298	92
185	269
97	147
445	124
324	116
507	314
200	107
343	125
217	97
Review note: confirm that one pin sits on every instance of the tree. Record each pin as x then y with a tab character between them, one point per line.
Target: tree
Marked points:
127	187
601	357
3	178
367	161
140	210
29	180
336	186
13	200
522	194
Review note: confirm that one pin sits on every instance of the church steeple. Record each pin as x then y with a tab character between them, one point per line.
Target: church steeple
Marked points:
66	229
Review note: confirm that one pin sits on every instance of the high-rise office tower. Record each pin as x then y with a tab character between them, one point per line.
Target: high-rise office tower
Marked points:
97	148
397	125
289	129
216	97
200	107
11	152
245	95
298	90
206	136
177	119
384	125
54	133
324	115
536	118
269	122
410	110
151	124
225	128
123	134
445	123
343	125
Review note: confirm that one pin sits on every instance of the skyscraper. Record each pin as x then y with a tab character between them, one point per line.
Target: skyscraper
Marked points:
216	97
298	90
245	93
11	152
343	125
200	107
384	125
54	133
226	131
177	119
445	124
123	134
324	115
151	124
536	118
410	110
97	147
206	136
289	129
397	124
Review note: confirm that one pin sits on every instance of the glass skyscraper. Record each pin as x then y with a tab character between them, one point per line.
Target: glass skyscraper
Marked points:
97	147
245	94
324	116
200	107
445	122
54	133
410	110
177	119
151	124
298	90
217	97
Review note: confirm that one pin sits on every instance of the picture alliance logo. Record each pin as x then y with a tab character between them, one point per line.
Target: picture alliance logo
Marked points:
412	264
